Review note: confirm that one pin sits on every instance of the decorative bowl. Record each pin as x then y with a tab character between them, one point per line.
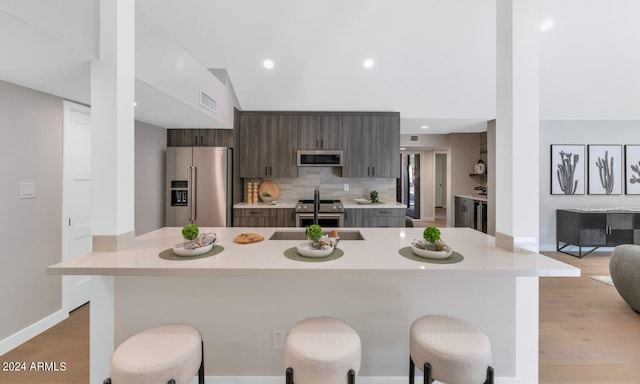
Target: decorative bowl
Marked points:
180	250
307	250
362	200
432	254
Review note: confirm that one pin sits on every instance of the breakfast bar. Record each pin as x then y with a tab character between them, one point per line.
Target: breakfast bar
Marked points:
243	294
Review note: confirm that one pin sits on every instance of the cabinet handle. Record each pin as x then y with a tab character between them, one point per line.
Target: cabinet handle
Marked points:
196	137
266	171
322	143
254	212
383	212
201	140
270	170
368	171
373	171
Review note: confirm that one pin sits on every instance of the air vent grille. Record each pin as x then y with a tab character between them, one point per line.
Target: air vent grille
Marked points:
414	138
208	102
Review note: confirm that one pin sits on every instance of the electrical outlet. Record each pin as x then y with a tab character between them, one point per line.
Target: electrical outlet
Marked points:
278	338
346	187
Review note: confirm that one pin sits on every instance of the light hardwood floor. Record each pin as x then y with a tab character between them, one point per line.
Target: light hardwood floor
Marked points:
588	334
67	342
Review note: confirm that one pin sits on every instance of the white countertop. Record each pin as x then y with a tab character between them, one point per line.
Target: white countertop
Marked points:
278	204
376	255
473	197
351	204
347	203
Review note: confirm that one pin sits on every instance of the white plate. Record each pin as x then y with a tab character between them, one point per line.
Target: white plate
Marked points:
362	201
180	250
428	254
304	249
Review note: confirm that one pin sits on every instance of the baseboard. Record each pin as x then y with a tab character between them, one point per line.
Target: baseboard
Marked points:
359	380
32	331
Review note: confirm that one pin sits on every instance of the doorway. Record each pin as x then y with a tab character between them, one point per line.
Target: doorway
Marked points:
411	184
440	186
76	199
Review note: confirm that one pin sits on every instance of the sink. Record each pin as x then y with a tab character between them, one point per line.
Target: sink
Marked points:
300	235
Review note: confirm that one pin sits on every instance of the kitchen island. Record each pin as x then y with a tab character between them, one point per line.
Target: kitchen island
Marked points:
239	297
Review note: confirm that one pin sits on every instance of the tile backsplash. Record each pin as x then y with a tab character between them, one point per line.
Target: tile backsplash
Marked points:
331	185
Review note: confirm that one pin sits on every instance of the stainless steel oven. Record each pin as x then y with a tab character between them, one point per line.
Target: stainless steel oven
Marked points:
330	213
328	220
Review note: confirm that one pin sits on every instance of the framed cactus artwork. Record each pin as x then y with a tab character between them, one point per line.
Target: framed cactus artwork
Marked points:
567	169
605	170
632	169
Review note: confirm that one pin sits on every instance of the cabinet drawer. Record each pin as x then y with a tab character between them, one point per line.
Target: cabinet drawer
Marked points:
254	212
384	212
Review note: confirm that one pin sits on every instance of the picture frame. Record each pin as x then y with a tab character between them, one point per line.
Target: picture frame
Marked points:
605	169
567	169
632	169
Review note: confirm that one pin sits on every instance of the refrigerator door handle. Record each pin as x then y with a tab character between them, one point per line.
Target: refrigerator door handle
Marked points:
190	192
194	208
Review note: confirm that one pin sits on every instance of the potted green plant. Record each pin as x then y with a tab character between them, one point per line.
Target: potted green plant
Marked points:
266	198
431	235
374	196
190	232
314	233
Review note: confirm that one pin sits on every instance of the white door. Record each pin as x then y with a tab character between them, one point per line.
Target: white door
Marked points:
76	199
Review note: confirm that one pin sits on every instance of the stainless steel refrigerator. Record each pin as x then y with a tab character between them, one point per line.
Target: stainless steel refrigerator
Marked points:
199	182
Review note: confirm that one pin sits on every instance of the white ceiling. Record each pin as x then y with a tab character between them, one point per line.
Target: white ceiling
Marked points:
434	60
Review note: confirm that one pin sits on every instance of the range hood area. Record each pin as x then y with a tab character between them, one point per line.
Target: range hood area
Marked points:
320	158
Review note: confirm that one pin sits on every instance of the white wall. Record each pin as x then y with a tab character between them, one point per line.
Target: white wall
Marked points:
578	132
150	174
30	151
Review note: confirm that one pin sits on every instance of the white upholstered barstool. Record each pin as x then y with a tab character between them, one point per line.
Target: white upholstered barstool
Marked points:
171	353
449	350
322	350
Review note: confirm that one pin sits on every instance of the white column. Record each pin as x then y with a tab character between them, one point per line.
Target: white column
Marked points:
112	111
517	124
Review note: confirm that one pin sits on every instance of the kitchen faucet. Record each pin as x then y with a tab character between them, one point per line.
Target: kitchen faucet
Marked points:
316	204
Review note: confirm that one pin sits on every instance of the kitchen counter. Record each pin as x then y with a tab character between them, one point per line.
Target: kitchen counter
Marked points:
473	197
239	297
278	204
349	203
377	254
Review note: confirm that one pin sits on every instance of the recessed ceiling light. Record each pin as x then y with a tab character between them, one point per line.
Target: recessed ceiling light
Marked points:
424	127
268	63
546	25
368	63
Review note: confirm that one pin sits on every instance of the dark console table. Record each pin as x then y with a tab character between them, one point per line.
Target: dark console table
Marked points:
595	228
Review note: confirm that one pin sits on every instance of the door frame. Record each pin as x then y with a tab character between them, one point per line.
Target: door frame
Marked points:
76	290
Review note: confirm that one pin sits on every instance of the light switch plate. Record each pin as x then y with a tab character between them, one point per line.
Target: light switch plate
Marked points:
27	191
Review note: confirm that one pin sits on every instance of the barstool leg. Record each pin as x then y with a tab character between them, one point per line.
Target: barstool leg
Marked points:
201	370
352	377
412	370
489	375
289	376
427	373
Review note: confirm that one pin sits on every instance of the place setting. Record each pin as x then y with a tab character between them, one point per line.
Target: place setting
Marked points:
196	245
431	249
318	247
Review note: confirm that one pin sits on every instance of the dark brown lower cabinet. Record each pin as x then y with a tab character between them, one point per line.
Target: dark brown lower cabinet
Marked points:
264	217
374	217
594	229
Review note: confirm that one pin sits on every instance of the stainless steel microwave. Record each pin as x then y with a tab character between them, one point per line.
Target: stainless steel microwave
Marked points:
319	158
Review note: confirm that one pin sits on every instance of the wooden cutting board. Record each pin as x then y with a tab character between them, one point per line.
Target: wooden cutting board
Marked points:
269	187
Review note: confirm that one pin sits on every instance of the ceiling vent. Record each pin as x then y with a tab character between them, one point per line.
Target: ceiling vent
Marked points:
413	138
208	102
